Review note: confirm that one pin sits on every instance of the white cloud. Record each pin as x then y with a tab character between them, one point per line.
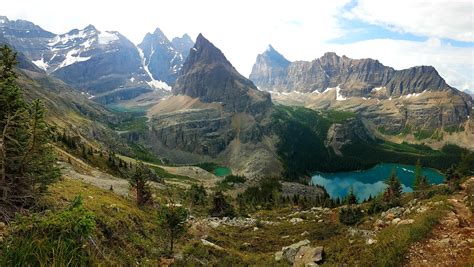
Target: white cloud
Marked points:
451	19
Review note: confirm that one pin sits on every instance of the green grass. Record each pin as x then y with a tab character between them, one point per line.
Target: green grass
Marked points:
136	124
124	234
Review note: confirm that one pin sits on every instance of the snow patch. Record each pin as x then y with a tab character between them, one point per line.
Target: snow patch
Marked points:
132	79
377	89
106	37
414	94
159	85
40	63
194	49
72	57
63	39
328	89
339	97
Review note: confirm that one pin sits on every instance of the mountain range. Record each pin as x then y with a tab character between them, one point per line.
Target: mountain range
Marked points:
395	101
103	64
198	108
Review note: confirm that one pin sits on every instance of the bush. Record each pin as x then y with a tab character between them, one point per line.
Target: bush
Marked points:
236	179
53	239
197	194
350	215
220	206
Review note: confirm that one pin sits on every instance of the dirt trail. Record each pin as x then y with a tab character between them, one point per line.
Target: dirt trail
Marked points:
451	242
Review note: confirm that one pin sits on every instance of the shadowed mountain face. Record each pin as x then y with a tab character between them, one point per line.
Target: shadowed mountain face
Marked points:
163	59
209	76
417	98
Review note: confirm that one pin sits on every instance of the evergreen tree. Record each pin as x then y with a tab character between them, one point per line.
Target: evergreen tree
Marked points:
220	206
394	190
173	219
27	162
418	175
351	198
421	183
139	181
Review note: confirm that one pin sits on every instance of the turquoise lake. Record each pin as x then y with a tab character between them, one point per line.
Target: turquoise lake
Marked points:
370	182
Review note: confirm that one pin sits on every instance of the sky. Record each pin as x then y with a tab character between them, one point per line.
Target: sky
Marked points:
399	33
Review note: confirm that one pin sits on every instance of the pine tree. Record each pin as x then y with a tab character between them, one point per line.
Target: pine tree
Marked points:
139	181
394	190
351	197
173	219
40	155
418	175
27	161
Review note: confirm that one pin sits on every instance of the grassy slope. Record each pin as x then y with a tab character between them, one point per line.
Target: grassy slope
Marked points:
125	234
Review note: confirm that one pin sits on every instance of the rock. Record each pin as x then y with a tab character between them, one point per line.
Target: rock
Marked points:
390	216
2	225
278	255
308	255
255	229
320	221
445	241
296	220
305	233
405	222
289	252
214	224
379	224
285	236
370	241
210	244
395	221
413	202
421	209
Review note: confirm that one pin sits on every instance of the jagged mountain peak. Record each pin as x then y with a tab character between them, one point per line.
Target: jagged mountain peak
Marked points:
183	44
204	52
209	76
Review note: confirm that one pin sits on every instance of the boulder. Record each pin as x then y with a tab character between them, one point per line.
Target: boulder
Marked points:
296	220
210	244
370	241
290	251
405	222
395	221
308	255
278	255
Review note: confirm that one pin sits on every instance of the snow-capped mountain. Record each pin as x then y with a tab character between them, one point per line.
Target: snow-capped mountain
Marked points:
162	59
104	64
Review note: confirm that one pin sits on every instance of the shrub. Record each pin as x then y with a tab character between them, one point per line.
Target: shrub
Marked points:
52	239
197	194
220	206
350	215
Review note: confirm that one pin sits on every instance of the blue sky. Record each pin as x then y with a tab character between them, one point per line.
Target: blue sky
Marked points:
401	33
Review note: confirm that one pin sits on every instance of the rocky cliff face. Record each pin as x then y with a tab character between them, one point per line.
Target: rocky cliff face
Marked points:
417	98
216	114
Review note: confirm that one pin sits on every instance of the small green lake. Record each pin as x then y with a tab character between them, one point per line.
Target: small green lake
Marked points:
371	181
222	171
